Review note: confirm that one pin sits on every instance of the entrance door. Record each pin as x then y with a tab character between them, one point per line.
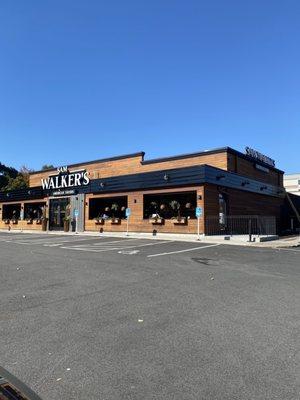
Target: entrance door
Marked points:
57	213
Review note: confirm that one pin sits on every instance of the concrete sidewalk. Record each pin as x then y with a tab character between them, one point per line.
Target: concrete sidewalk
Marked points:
239	240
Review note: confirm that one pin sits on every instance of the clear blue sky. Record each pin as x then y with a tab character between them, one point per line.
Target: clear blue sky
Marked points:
81	80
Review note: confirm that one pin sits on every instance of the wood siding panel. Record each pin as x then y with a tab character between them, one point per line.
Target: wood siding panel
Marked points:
134	165
247	168
137	223
241	203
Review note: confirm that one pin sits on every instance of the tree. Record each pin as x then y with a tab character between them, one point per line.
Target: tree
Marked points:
5	174
45	167
21	181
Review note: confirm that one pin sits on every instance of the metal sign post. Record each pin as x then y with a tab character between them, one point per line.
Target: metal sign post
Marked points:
76	213
127	213
198	213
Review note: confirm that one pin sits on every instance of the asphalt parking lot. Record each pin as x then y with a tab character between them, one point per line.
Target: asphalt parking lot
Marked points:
123	318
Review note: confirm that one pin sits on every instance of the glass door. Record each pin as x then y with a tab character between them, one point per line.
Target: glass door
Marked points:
57	213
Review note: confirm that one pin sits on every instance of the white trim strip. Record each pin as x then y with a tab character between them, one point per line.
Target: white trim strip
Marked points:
184	251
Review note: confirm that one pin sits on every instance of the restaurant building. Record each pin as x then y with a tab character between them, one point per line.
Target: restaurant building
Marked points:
162	194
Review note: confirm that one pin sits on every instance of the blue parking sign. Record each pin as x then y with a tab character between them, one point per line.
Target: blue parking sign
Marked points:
76	213
198	212
128	212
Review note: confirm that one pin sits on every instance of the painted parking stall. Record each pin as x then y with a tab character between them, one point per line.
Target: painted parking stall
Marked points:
126	246
149	248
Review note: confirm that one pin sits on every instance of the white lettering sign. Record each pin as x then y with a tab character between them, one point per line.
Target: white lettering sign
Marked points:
259	156
62	169
66	180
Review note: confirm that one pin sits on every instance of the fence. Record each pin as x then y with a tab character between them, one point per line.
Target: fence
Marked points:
241	225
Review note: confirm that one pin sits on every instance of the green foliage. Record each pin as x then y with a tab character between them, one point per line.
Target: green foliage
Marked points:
114	207
5	174
175	205
45	167
19	181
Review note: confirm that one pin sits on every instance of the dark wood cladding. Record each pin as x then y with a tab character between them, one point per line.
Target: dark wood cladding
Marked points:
247	167
241	203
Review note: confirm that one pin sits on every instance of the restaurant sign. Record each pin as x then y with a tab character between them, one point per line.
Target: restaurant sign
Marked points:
259	156
66	179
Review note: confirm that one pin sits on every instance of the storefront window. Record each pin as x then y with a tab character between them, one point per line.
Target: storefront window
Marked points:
33	210
108	207
169	205
11	211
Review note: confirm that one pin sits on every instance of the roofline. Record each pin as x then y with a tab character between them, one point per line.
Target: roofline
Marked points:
169	158
114	158
185	155
213	151
249	158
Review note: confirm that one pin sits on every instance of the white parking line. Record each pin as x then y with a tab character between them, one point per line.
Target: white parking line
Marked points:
42	243
50	244
16	237
184	251
114	241
113	248
293	250
101	243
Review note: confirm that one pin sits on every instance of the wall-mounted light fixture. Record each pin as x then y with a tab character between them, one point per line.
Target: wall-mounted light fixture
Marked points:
134	200
102	184
245	183
199	196
166	177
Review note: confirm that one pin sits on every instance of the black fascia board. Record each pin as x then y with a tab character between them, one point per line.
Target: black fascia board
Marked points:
150	180
220	177
34	193
168	178
179	177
